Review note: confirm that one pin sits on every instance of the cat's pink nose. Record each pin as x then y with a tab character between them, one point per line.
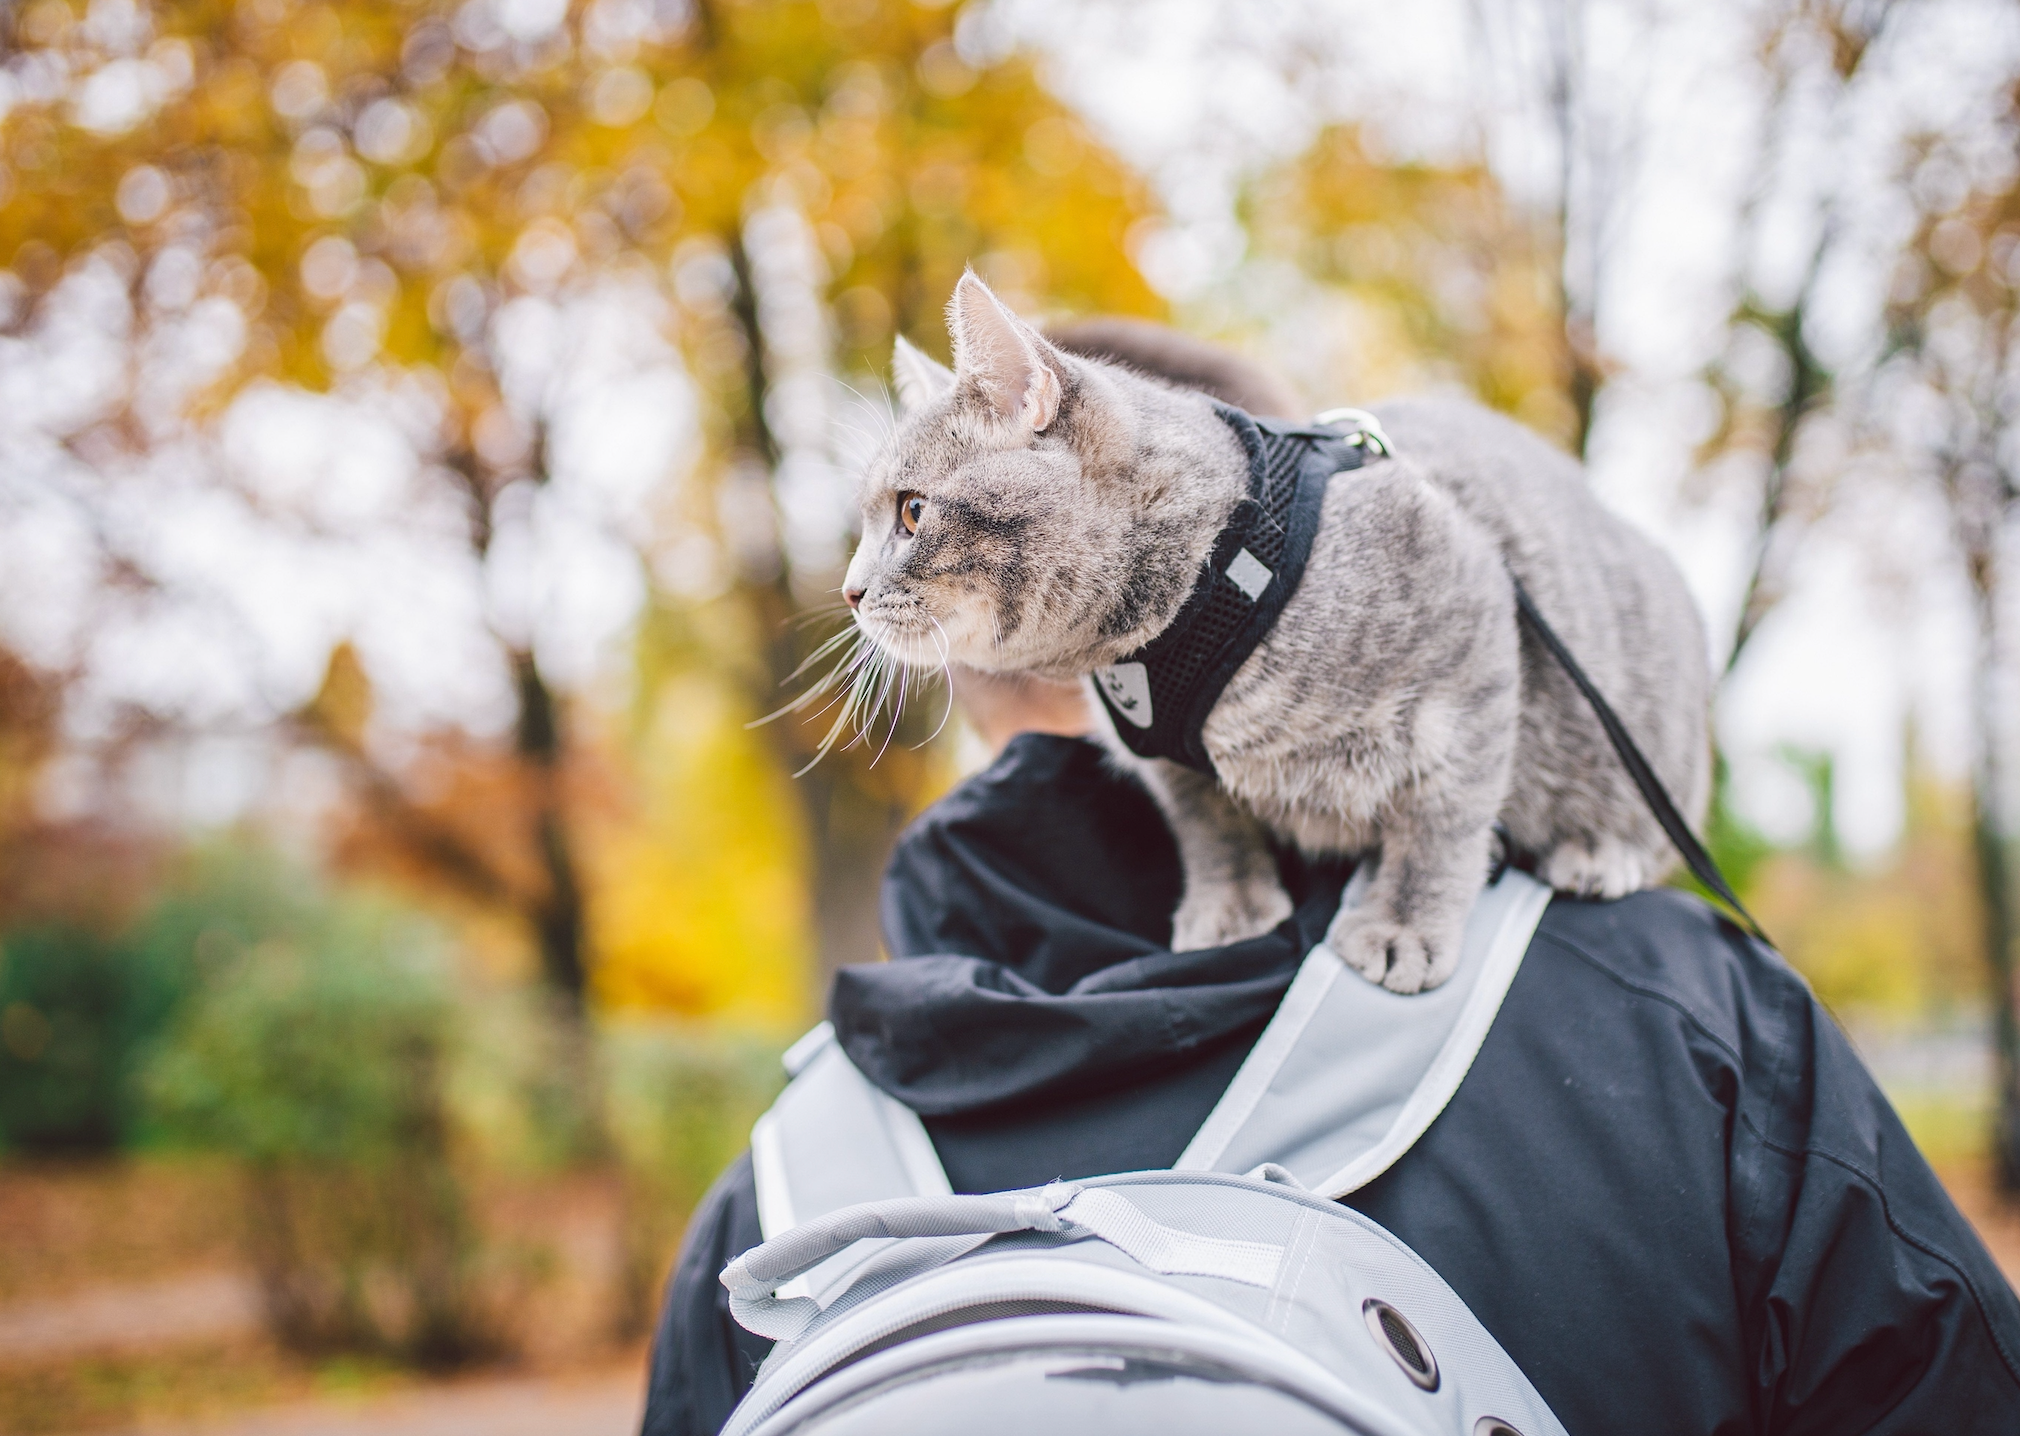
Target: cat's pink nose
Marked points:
852	596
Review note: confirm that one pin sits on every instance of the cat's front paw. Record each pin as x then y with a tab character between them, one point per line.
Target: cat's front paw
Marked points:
1393	954
1216	914
1606	868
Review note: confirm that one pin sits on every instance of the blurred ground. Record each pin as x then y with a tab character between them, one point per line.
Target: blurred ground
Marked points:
589	1403
122	1309
199	1306
124	1306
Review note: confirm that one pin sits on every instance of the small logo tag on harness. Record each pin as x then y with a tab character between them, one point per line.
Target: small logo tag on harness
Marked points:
1127	685
1248	574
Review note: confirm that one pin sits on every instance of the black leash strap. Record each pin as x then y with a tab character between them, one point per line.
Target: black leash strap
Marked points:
1694	855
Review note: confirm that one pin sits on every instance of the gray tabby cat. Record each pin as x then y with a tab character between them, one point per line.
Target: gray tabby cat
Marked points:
1038	511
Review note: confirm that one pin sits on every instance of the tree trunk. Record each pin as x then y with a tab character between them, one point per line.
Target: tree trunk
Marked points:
1577	296
1809	383
851	818
556	911
556	914
1584	376
1995	871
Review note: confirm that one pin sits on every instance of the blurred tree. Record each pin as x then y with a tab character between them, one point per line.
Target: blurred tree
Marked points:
1819	772
1956	319
1770	380
1449	281
887	147
673	1149
57	868
30	711
30	704
1736	845
369	197
1898	941
704	888
1537	68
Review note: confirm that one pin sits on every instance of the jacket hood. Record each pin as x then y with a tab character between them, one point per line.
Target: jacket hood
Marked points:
1028	917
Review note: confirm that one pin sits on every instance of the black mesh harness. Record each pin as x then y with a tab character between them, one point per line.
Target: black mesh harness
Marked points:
1160	695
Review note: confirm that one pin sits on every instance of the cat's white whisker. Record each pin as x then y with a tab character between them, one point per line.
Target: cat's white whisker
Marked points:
816	614
896	711
947	677
837	685
827	647
848	681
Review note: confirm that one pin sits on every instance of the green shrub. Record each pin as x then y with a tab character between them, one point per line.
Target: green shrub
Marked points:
317	1051
329	1045
80	1011
322	1042
77	1011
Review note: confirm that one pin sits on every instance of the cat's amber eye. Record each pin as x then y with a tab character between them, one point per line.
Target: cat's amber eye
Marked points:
911	508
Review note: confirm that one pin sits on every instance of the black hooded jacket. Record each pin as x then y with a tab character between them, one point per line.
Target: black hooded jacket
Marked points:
1667	1186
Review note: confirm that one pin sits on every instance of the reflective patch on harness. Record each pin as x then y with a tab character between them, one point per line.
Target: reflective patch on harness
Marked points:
1128	688
1248	574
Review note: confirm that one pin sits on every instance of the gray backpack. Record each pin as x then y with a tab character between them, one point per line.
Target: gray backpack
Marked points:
1230	1294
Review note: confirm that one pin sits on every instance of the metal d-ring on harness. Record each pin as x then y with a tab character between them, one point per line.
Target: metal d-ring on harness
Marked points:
1160	695
1364	430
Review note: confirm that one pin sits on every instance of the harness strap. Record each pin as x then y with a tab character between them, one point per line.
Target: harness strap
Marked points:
1159	696
1702	866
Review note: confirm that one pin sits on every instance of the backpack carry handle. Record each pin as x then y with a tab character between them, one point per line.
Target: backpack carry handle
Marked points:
767	1267
753	1279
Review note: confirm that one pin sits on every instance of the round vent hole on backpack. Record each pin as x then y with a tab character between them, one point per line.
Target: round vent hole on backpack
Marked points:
1406	1345
1493	1426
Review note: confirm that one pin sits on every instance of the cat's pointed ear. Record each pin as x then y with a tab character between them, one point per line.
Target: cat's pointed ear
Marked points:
919	379
1003	355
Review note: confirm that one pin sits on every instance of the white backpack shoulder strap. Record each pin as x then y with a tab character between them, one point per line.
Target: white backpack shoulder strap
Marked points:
1344	1079
834	1139
1347	1075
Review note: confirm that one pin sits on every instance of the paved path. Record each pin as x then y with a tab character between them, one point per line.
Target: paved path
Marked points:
606	1403
210	1305
198	1306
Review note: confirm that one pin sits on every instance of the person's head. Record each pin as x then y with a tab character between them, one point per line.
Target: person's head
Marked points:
1179	359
